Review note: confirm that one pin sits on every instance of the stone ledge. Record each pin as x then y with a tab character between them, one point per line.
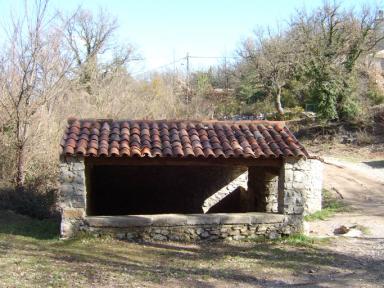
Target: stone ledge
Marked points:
183	219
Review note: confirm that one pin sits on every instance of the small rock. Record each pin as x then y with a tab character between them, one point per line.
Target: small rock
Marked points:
273	235
165	232
174	237
199	231
238	237
311	271
341	230
159	237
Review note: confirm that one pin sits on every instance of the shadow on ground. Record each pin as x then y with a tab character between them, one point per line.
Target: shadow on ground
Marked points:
253	264
16	224
375	164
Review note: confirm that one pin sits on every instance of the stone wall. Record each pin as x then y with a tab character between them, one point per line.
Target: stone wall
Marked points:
191	227
300	186
264	185
294	190
72	195
313	186
240	181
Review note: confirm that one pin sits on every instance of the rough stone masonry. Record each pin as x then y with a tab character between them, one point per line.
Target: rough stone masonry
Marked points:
287	195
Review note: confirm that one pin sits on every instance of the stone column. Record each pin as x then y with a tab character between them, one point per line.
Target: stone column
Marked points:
72	195
300	184
263	184
313	186
291	190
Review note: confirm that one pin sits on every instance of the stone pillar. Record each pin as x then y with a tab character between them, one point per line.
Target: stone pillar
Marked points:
300	185
313	186
263	184
291	190
72	195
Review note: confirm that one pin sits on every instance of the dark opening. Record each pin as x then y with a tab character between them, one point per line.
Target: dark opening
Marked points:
124	190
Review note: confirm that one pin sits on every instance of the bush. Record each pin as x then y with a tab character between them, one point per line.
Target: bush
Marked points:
364	138
293	113
31	202
374	94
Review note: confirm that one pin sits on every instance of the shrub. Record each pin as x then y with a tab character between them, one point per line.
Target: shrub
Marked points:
364	138
374	94
31	202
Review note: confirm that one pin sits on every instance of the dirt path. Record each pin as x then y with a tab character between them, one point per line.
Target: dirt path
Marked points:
362	188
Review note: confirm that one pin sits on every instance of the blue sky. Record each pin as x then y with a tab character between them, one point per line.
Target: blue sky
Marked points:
163	30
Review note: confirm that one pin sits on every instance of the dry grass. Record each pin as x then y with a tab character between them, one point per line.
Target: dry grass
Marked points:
364	138
347	152
32	256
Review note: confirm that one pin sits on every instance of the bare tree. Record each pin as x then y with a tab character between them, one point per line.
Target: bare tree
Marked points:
91	40
32	71
271	58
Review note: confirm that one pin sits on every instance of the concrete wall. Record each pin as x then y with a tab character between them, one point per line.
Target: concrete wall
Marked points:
293	191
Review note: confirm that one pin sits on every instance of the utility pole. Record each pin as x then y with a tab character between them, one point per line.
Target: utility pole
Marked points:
174	72
226	75
188	80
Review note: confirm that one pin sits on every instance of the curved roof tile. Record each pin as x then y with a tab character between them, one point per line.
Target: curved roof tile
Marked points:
180	139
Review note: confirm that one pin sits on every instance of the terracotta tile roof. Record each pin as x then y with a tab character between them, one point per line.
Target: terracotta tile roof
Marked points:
179	139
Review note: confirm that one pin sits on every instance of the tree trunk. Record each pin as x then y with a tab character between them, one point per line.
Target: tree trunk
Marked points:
20	174
279	107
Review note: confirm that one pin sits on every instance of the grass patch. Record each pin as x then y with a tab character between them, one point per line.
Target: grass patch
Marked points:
297	240
301	240
31	255
16	224
330	204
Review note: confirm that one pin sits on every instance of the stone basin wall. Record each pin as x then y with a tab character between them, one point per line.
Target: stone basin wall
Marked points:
193	227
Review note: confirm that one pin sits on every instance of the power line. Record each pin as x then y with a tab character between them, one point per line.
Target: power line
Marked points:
136	59
214	57
159	67
187	58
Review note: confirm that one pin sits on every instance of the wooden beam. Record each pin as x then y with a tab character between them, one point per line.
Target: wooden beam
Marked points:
247	162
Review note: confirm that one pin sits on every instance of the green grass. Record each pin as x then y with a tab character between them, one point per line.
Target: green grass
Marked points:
297	240
331	206
301	240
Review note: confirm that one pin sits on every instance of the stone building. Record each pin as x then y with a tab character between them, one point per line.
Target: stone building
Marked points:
185	180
